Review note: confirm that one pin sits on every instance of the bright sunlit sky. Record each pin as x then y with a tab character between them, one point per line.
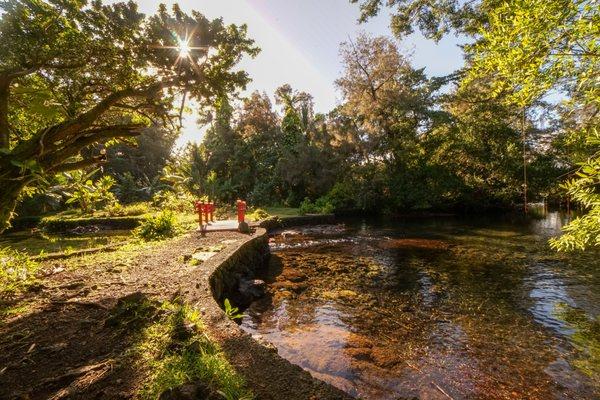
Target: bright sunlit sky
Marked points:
300	42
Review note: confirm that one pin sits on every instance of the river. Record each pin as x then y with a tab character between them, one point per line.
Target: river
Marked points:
436	308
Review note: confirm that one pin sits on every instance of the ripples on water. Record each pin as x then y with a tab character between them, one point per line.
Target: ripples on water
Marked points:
440	308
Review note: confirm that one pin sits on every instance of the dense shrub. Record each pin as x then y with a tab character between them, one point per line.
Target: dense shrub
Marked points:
168	200
90	196
156	227
258	215
118	210
342	197
321	206
61	223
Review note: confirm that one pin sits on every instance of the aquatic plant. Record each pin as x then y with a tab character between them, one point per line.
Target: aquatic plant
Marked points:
232	313
586	339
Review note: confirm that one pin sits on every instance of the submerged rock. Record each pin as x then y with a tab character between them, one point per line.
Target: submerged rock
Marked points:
414	243
293	275
252	288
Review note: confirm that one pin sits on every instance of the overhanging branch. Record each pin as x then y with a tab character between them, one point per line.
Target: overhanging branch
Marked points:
71	166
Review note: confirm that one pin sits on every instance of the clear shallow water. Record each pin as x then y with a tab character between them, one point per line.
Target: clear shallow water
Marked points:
435	309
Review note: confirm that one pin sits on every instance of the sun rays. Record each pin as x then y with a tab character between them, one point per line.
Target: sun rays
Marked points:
195	56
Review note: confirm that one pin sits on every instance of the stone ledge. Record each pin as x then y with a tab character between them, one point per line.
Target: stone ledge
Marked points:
269	375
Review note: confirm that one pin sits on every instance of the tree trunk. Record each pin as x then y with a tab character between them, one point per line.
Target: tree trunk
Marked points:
4	127
8	200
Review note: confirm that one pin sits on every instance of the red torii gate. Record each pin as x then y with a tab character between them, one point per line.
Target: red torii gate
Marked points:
205	211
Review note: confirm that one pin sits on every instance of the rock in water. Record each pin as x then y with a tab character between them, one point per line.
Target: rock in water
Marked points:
252	288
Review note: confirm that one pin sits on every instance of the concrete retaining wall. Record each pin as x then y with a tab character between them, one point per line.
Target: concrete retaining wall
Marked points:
267	374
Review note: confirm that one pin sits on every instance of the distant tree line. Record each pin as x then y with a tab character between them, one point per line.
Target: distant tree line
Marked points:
396	143
80	83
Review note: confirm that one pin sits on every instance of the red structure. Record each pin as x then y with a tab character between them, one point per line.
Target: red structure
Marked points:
241	210
205	212
211	211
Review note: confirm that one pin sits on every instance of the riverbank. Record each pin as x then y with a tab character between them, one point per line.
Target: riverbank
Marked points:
434	308
78	332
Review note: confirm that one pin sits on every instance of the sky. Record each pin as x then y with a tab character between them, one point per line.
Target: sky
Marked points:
300	42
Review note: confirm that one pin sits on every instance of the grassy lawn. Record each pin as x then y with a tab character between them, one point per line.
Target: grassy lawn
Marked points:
283	212
39	244
18	269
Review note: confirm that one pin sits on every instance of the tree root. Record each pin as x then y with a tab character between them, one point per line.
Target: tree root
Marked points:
84	377
80	303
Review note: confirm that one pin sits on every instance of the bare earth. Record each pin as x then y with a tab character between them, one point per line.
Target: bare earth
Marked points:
63	347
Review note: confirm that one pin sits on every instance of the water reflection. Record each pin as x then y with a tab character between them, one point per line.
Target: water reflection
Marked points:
433	309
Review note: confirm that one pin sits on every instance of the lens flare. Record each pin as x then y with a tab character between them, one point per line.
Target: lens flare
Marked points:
184	48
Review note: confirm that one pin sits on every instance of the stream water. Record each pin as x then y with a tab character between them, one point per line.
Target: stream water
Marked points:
435	309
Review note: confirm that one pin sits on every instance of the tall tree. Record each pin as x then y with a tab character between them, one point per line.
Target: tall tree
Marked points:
526	50
389	99
74	74
137	166
534	47
434	18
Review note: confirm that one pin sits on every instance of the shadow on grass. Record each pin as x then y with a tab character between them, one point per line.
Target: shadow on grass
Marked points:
74	350
137	348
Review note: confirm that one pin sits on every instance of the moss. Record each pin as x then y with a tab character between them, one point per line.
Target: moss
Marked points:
586	339
13	310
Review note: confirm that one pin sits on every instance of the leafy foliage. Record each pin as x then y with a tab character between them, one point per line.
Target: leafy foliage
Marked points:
520	52
76	76
156	227
532	47
232	312
320	206
258	215
118	210
89	195
17	270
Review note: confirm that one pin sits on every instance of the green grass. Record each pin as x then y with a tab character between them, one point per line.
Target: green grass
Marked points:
177	351
17	270
36	244
282	212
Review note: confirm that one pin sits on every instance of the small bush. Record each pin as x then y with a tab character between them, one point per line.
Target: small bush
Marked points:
225	211
258	215
156	227
17	270
118	210
178	202
321	206
343	197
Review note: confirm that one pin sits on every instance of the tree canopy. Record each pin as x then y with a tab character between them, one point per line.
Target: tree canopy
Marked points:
74	74
520	53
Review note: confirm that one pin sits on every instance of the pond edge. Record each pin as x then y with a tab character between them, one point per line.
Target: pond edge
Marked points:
269	375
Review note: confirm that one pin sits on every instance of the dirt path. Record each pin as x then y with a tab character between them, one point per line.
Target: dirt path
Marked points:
64	346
